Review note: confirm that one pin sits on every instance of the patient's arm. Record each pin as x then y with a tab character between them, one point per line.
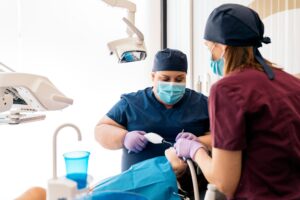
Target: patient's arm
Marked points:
35	193
178	165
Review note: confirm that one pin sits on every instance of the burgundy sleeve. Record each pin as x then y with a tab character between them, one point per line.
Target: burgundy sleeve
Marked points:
227	118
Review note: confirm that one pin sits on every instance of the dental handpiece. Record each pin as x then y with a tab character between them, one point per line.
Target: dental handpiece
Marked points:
156	139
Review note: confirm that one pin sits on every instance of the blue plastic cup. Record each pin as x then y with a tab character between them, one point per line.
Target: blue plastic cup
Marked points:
77	167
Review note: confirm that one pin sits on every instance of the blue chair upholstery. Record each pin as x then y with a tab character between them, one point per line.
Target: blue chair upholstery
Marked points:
114	195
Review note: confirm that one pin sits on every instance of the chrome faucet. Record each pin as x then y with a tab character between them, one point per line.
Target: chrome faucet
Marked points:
55	145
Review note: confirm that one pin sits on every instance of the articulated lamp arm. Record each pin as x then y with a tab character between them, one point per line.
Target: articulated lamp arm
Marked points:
129	6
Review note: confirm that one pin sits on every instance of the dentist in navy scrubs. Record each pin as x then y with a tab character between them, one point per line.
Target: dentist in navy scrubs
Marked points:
167	108
254	114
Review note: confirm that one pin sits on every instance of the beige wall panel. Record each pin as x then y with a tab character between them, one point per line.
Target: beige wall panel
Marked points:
265	8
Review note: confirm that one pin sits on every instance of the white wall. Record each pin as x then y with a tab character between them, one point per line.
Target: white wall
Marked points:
65	40
179	32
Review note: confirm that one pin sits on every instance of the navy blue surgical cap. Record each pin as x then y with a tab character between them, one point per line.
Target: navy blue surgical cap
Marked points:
237	25
170	60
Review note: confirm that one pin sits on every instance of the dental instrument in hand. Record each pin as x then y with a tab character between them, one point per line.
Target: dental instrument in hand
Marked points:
156	139
135	141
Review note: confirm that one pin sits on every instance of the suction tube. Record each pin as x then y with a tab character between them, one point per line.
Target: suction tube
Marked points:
194	179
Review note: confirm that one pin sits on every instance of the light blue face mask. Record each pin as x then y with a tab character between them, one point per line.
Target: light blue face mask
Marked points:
216	66
170	92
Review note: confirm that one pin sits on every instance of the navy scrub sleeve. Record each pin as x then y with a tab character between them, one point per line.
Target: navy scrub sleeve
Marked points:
142	111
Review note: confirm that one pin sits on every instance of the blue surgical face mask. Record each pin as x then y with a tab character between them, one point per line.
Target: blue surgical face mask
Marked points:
216	66
170	92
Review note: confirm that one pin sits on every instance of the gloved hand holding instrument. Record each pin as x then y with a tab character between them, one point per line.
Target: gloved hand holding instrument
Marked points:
187	148
186	135
135	141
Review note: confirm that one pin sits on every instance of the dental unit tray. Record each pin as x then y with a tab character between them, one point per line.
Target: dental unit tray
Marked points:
22	94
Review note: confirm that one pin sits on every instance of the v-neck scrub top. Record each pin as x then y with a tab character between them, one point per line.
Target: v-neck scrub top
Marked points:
142	111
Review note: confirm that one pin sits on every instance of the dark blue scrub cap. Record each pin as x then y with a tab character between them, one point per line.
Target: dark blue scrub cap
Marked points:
237	25
170	60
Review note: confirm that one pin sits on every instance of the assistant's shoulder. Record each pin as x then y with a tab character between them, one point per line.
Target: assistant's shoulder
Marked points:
240	86
232	85
238	79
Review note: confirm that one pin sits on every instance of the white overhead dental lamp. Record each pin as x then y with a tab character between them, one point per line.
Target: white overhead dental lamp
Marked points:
132	48
23	96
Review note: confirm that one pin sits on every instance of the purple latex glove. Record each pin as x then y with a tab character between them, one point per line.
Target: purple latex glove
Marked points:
187	148
186	135
135	141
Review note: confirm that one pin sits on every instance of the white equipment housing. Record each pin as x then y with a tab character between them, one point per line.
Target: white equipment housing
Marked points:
132	48
23	94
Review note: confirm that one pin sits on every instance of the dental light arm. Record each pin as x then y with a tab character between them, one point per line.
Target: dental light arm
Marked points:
122	4
6	68
132	48
134	29
129	49
131	9
23	94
